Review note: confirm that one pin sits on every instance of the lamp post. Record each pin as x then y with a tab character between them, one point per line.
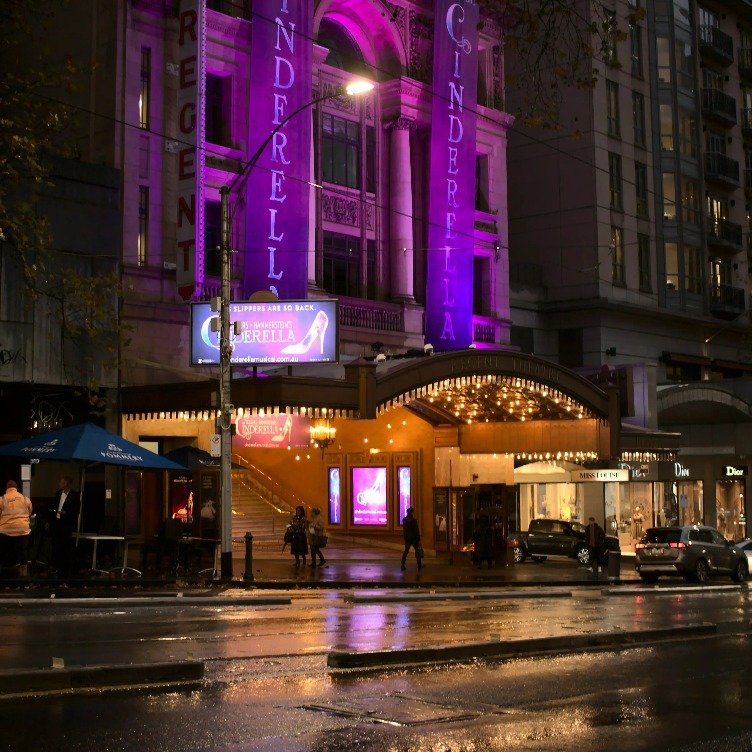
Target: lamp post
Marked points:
225	343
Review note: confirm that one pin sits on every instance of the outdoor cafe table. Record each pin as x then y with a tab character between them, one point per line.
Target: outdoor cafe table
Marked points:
96	537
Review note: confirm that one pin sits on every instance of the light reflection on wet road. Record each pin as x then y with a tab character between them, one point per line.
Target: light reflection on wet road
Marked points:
317	623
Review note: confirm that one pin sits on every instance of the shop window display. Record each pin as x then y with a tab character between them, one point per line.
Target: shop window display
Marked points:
729	504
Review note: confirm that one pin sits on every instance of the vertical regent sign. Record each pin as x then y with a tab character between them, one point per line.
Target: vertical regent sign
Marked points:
449	285
189	267
278	191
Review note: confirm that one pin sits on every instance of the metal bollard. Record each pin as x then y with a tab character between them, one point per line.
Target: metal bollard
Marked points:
248	575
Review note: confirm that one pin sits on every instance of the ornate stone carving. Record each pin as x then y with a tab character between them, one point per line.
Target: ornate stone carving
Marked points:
401	124
370	210
421	48
343	211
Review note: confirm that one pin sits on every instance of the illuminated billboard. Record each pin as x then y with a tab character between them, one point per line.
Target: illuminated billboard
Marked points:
369	495
335	496
277	332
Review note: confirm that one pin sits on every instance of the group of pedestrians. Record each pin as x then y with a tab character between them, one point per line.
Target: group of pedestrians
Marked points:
306	535
16	516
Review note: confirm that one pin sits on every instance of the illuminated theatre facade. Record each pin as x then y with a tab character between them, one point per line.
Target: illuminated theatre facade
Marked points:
392	203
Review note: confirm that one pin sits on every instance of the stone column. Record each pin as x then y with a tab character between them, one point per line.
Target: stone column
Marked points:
401	210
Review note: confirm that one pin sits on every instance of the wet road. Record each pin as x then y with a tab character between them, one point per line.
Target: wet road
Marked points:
268	688
315	623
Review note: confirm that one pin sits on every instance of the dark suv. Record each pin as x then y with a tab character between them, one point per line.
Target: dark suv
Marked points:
693	551
546	538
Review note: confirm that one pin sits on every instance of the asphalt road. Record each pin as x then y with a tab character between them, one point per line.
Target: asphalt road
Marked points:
267	685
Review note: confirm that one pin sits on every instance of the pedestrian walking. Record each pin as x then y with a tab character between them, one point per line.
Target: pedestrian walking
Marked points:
318	537
594	538
411	533
298	528
15	525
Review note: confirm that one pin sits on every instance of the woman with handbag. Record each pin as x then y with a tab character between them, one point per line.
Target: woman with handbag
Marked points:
299	528
317	531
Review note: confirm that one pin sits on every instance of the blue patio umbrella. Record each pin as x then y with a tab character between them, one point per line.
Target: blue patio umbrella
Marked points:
87	443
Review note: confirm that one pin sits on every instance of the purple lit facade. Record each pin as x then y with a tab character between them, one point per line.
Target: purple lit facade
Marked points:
451	231
352	197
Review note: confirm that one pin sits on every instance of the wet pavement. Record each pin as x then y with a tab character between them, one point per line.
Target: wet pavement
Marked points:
347	565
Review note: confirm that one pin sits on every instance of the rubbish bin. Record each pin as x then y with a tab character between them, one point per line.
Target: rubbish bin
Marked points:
614	565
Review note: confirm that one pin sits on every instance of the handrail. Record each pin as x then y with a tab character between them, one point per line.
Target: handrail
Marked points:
273	487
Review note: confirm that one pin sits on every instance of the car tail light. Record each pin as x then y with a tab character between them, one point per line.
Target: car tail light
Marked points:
639	546
677	545
514	542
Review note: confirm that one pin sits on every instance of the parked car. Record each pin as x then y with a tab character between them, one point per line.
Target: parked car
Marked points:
746	546
546	538
693	551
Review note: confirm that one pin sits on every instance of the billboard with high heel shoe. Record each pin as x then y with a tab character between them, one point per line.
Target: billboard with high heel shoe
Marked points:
271	333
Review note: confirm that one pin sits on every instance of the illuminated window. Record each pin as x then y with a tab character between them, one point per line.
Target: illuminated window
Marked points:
669	196
617	256
145	90
143	224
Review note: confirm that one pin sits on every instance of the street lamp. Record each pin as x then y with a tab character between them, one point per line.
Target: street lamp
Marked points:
225	343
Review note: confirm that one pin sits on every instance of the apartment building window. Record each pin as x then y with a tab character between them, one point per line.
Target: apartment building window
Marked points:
746	99
672	266
612	109
635	49
218	109
638	118
145	89
340	151
341	264
641	190
669	196
709	21
663	55
617	256
643	262
712	78
690	190
666	114
685	67
143	225
693	269
747	169
718	212
720	272
688	134
715	143
614	180
610	33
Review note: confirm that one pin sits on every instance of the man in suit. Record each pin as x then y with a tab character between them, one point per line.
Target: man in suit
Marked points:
63	525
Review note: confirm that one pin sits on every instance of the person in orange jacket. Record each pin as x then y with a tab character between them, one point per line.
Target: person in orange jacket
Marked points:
15	524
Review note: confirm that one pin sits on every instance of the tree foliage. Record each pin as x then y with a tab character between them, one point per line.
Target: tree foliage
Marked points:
552	46
34	122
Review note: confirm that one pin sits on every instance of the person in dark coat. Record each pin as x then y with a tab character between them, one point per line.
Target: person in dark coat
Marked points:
63	524
299	529
483	542
594	539
411	533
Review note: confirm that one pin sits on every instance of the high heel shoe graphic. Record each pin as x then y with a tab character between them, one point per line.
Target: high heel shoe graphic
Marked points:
316	332
286	431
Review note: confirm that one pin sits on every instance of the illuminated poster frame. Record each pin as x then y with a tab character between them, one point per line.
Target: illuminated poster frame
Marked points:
403	490
369	496
334	488
283	332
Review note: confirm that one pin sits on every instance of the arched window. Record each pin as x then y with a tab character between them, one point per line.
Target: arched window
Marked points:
344	52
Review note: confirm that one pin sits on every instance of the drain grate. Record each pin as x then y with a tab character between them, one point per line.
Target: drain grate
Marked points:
394	710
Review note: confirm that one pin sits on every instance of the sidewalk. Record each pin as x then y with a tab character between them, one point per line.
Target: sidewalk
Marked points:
347	565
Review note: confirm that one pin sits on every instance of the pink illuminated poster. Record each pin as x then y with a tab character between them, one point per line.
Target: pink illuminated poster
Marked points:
369	495
335	496
403	484
272	431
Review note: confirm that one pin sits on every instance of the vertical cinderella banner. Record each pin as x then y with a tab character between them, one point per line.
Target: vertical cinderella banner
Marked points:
278	186
451	231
